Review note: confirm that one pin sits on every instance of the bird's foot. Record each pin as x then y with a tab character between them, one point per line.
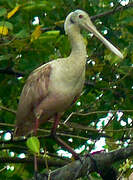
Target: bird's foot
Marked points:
83	162
90	155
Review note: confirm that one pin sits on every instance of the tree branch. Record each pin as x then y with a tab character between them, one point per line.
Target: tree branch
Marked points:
11	72
7	109
95	112
51	162
99	162
129	5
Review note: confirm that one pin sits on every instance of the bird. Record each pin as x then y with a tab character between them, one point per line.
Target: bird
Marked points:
53	87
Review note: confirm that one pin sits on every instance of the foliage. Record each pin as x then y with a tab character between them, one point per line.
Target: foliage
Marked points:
25	46
33	144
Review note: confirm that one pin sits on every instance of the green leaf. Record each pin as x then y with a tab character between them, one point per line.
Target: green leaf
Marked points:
7	24
3	11
49	35
30	6
53	33
33	144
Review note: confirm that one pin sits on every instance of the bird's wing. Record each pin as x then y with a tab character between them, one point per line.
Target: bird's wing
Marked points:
33	93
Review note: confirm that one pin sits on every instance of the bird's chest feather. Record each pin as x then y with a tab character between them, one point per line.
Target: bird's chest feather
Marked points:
67	83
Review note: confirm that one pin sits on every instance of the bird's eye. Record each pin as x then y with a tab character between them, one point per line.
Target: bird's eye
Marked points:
80	16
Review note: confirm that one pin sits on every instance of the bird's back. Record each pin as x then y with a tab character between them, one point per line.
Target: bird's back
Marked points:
33	93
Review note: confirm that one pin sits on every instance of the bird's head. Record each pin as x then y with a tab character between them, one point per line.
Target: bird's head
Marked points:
81	20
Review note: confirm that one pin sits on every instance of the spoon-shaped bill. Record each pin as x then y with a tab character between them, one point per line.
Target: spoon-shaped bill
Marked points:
89	26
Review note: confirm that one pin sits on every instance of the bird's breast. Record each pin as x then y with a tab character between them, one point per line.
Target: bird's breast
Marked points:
65	85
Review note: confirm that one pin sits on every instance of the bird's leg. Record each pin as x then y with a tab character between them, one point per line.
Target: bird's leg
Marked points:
60	141
35	157
36	126
55	125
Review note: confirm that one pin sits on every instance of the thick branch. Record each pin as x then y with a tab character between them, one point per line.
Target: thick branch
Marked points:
77	169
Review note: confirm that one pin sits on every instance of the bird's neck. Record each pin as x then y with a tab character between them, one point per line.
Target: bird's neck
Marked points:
78	52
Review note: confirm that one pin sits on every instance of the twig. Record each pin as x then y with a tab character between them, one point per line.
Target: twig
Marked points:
11	72
82	127
4	168
41	130
7	124
129	5
8	109
62	134
93	112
